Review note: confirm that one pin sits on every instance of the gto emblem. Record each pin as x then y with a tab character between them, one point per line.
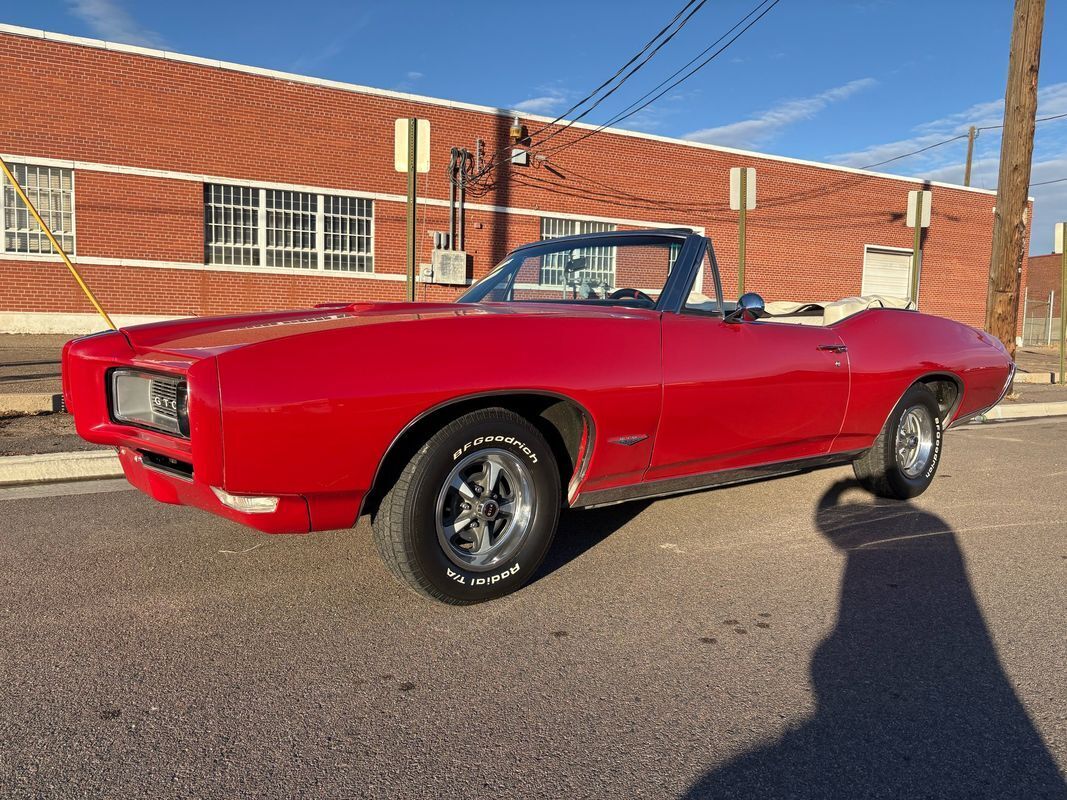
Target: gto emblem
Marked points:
161	402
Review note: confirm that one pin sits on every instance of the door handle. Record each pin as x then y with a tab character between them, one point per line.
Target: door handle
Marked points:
833	348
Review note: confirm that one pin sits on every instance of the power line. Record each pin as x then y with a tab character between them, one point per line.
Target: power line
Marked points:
492	160
623	68
1039	119
954	139
625	78
1046	183
629	113
915	152
686	65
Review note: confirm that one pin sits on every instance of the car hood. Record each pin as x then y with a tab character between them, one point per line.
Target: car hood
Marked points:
202	337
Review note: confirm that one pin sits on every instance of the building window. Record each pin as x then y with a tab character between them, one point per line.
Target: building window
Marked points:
253	227
231	215
600	261
676	250
291	229
347	223
51	190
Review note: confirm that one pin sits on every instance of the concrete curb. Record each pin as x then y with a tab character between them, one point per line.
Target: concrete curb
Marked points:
1035	377
51	467
41	403
1025	411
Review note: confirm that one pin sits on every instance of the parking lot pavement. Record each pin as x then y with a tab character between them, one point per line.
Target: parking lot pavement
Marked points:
30	363
788	638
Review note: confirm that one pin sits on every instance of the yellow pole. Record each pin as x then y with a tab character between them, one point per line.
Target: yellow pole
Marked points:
62	253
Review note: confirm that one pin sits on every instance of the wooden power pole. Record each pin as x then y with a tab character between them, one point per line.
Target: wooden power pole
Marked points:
1016	151
972	134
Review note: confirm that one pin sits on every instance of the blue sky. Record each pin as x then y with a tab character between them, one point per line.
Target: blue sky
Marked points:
847	81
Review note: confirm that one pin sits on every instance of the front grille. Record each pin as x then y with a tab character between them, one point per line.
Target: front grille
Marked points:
164	395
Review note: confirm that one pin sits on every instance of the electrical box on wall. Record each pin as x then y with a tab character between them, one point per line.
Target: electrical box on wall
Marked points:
447	267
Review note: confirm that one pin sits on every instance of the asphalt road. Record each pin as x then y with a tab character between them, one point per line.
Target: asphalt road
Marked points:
792	638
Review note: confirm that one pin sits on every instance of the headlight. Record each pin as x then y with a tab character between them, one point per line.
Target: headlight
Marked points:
149	400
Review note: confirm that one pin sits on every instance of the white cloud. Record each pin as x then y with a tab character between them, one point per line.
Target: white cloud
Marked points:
946	162
414	76
766	125
110	20
545	104
1051	101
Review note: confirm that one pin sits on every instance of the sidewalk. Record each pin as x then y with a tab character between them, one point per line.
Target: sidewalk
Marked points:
1039	363
29	373
31	434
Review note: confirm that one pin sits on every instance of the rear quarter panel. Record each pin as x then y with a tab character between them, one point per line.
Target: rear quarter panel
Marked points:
890	349
315	413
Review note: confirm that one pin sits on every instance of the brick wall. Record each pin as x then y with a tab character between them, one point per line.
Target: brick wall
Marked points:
806	237
1044	277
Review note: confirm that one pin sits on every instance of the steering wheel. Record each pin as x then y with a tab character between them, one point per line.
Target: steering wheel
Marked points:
631	294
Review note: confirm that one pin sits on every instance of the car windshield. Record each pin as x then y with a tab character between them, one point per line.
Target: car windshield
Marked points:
617	270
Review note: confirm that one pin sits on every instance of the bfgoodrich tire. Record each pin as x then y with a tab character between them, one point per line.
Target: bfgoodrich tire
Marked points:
472	514
904	459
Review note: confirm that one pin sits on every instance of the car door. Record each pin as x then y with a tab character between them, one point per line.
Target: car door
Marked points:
739	394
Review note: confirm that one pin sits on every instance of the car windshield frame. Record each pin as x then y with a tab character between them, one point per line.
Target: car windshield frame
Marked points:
505	273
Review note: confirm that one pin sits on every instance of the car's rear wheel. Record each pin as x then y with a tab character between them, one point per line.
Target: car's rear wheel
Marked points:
904	458
472	514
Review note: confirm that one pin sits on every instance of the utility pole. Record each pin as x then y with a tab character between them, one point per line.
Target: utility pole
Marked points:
1016	152
972	134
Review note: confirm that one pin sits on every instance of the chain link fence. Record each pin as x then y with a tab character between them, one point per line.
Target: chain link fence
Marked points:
1041	319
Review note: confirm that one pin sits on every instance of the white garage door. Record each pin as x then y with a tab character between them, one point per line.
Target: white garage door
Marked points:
886	272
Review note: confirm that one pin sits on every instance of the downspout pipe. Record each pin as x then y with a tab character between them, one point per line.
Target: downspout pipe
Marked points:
452	198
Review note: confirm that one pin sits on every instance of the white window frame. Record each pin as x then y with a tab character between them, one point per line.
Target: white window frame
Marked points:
318	266
368	257
902	250
581	226
73	251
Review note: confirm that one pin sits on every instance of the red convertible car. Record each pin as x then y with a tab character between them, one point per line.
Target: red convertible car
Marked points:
582	371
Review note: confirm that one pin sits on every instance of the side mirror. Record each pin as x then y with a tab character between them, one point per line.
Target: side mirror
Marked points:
749	307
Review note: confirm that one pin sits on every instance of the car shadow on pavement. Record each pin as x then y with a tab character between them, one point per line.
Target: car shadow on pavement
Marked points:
911	700
581	530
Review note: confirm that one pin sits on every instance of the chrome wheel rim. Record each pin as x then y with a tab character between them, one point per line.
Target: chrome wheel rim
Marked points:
484	509
915	440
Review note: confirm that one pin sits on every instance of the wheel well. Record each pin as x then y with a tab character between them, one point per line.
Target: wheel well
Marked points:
947	390
566	426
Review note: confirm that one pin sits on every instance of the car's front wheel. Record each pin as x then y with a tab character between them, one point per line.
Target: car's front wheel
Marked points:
905	456
472	514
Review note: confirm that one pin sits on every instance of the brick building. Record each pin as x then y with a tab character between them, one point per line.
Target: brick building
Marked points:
1042	298
185	185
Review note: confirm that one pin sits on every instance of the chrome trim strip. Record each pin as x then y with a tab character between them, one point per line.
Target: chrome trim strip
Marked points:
164	470
629	441
709	480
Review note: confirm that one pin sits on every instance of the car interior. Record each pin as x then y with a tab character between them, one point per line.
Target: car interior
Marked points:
794	313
